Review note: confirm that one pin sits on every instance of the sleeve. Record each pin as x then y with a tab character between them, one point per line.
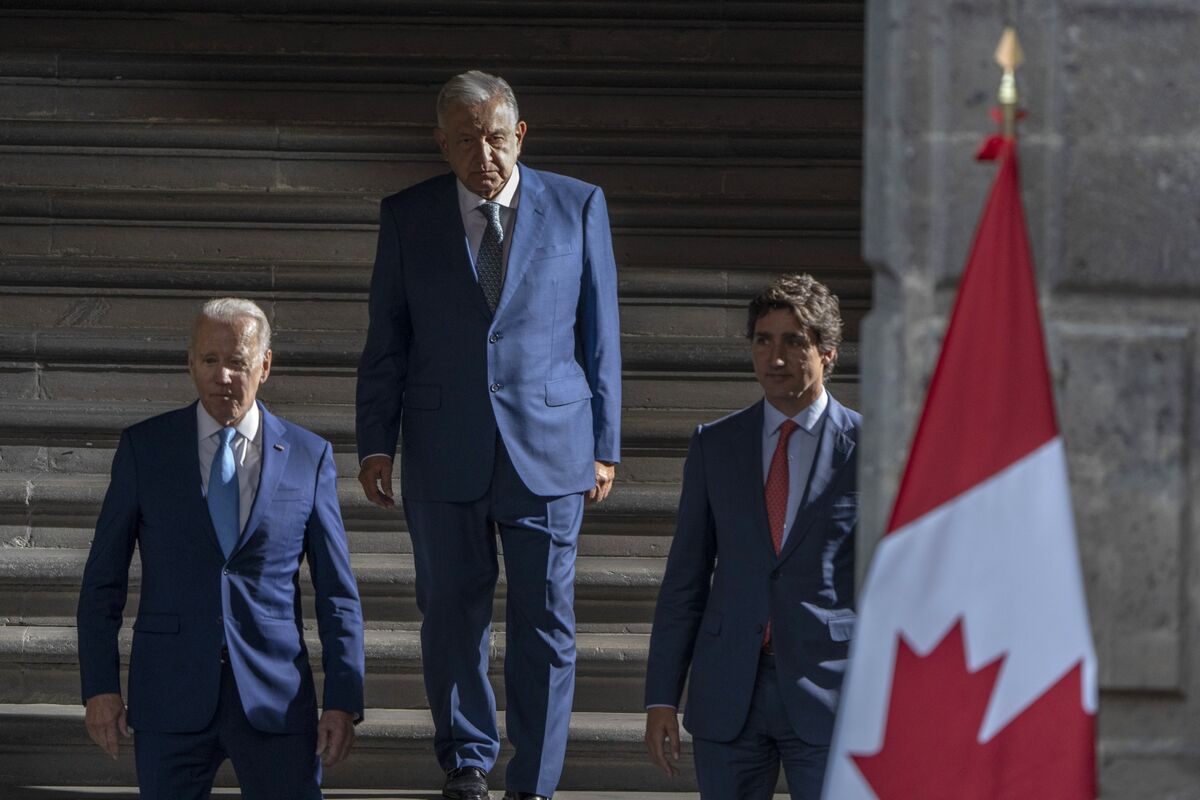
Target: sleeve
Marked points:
685	586
383	366
105	586
598	328
339	611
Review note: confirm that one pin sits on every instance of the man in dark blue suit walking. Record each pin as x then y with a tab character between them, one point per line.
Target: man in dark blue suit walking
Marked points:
493	356
223	501
758	596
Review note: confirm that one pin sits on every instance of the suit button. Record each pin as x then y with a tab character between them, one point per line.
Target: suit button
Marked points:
220	620
495	337
495	387
775	574
224	572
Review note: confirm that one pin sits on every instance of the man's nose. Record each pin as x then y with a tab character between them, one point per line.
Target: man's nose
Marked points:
484	152
224	375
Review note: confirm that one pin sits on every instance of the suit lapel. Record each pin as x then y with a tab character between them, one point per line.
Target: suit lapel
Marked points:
526	235
749	483
194	505
833	451
453	238
275	449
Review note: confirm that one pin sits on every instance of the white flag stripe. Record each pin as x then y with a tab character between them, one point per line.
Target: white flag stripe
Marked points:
1002	556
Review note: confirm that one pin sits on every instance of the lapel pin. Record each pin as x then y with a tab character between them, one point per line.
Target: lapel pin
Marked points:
279	447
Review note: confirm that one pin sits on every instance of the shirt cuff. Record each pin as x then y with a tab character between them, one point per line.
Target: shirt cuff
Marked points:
661	705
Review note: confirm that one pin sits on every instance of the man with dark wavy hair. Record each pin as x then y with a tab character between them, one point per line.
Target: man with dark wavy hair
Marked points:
756	608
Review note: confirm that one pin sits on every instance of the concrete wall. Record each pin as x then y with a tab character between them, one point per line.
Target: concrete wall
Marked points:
1110	163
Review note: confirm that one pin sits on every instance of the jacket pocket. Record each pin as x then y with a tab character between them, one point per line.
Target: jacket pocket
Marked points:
552	251
156	623
423	397
571	389
841	629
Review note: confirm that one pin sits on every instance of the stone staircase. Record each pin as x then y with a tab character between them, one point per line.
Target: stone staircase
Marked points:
155	154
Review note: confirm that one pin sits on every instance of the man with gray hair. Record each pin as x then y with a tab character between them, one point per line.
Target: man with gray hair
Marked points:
222	500
493	354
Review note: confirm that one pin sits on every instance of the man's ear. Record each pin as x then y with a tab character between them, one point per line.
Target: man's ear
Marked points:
443	143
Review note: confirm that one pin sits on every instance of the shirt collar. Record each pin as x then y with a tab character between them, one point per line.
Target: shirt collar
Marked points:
807	418
468	201
206	426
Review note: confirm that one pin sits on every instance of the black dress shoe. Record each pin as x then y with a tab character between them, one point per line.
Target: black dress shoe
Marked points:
524	796
466	783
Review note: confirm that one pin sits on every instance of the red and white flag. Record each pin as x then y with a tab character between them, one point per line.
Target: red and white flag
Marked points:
972	674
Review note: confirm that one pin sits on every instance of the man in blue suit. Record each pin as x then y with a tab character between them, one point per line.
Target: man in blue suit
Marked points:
758	595
222	500
493	355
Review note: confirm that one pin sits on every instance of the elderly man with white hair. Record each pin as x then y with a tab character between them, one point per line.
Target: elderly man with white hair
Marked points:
223	501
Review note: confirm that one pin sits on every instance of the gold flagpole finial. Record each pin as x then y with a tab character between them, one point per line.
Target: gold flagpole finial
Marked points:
1009	56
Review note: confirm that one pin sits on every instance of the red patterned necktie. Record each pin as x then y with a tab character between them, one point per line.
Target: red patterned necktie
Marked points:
776	493
776	490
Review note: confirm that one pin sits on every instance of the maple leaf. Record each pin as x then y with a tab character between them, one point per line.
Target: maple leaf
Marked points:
931	748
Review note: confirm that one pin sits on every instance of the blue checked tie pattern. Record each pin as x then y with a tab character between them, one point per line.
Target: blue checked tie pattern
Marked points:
491	254
223	492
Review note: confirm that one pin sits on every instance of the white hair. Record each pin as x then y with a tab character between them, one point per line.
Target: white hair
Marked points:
231	310
475	88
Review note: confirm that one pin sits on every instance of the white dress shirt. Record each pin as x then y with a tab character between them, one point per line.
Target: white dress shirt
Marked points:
801	449
475	221
247	453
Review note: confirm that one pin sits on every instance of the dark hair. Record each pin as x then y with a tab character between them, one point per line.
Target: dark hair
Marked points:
816	309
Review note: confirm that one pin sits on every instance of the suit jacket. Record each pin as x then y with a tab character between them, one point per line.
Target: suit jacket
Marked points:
192	596
545	370
723	582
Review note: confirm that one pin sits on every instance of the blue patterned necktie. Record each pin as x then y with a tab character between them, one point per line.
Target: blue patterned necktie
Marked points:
491	253
223	492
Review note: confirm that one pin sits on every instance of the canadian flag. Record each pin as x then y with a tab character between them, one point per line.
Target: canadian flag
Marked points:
972	674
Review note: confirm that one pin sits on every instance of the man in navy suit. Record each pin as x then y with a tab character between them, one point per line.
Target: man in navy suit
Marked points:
758	596
222	500
493	355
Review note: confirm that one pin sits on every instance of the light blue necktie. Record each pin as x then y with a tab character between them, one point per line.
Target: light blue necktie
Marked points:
223	492
491	254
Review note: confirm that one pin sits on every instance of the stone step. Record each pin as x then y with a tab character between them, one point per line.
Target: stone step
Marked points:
131	793
40	586
288	279
83	424
389	537
346	210
42	743
44	497
425	37
785	182
39	664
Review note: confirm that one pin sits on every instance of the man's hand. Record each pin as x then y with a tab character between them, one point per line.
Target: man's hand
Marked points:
606	473
335	736
662	738
105	718
375	475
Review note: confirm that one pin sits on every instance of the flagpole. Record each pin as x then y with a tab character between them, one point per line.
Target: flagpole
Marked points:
1009	56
